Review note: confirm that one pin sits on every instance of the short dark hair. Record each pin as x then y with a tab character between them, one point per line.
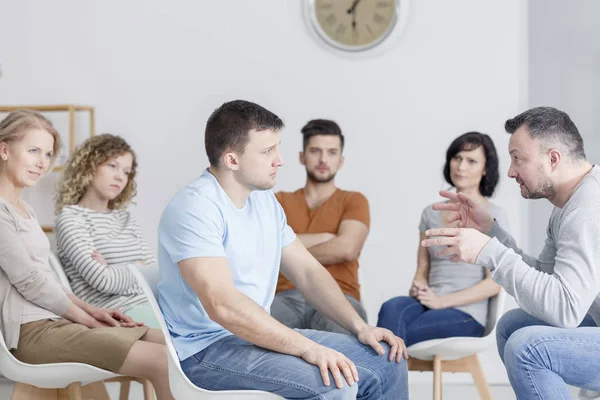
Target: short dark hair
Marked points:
550	125
321	127
228	126
470	141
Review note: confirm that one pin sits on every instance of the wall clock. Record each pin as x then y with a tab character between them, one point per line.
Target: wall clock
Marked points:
356	25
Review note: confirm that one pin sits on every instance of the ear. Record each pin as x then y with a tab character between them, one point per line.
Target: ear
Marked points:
554	157
301	158
231	161
342	159
3	151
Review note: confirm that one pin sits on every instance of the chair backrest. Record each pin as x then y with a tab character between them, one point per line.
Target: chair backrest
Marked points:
181	386
58	269
495	311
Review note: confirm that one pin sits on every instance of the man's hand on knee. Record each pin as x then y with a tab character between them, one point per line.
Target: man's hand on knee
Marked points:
371	336
330	360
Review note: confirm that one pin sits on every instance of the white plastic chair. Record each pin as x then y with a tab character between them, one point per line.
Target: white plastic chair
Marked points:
181	386
125	381
458	354
49	381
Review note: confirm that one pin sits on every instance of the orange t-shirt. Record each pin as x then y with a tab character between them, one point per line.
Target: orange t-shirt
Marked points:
326	218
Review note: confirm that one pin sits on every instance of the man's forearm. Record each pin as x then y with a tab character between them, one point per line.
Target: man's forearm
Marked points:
324	293
507	240
334	251
247	320
314	239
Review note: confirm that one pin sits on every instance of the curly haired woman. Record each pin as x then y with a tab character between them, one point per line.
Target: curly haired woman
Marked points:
97	238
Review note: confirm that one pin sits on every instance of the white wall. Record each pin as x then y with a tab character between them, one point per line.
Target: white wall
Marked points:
155	72
564	72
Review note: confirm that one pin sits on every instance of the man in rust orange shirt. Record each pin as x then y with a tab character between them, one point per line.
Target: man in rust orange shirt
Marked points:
331	223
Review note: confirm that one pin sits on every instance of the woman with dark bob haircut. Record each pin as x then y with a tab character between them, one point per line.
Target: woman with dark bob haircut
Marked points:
450	299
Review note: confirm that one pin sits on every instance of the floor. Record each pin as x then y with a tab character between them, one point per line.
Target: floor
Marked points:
417	391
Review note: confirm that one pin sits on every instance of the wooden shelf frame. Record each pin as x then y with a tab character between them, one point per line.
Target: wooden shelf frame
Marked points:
70	108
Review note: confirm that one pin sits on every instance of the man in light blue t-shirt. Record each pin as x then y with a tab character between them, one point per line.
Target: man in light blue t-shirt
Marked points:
222	242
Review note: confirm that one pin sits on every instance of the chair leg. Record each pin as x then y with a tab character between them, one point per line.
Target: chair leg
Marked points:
479	377
95	391
75	391
437	378
148	390
23	391
124	391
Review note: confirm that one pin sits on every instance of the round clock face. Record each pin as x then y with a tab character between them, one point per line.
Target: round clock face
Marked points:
354	25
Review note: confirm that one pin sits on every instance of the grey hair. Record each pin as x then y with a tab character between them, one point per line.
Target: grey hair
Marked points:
551	127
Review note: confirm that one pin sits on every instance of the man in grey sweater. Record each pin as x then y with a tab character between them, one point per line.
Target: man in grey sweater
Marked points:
554	338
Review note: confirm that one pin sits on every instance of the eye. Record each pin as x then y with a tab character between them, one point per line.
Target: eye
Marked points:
127	173
268	151
48	155
472	162
33	151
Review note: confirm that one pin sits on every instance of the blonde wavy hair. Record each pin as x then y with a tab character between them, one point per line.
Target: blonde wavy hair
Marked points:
17	123
81	169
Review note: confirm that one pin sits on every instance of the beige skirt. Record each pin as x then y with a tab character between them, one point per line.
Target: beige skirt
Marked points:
56	341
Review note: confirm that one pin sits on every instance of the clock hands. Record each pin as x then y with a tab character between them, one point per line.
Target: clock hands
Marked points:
352	10
352	7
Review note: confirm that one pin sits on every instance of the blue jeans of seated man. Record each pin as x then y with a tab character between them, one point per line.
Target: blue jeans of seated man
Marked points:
541	358
415	323
294	311
235	364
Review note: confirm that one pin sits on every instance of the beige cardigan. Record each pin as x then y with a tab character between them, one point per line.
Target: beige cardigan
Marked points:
20	279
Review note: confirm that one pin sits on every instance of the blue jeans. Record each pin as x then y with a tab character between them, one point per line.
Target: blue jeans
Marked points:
540	358
235	364
415	323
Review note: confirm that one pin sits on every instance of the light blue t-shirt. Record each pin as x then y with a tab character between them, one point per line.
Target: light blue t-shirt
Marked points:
202	221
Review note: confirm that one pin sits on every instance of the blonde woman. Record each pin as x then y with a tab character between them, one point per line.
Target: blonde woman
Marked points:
42	322
96	237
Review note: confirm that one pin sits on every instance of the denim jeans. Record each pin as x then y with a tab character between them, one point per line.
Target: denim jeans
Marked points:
235	364
540	358
291	309
415	323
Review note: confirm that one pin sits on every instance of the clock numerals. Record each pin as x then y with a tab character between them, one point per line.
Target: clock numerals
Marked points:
340	30
331	19
378	19
368	27
354	35
326	6
383	4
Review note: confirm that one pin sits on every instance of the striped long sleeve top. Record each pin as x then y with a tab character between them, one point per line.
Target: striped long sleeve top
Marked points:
114	234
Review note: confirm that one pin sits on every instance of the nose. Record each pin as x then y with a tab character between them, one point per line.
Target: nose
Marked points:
42	163
511	172
119	175
279	160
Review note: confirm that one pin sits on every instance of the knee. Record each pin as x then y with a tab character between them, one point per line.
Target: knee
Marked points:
510	322
395	306
345	393
383	377
521	348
